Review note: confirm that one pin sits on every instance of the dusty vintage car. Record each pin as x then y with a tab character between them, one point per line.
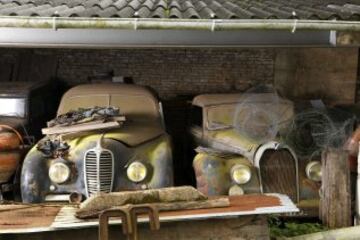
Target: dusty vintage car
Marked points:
135	156
229	161
24	109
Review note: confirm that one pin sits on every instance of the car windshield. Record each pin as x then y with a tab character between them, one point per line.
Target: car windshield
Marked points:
12	107
134	107
221	116
256	115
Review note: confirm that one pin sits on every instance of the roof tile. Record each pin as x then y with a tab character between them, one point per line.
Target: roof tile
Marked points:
143	12
89	3
8	5
12	11
174	4
32	11
206	9
108	12
225	13
239	11
103	4
148	4
207	13
262	13
175	13
200	5
191	13
126	12
134	4
285	14
323	14
161	3
159	12
120	4
52	12
90	12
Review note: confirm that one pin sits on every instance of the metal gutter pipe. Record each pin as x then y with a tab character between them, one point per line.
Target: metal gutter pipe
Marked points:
177	24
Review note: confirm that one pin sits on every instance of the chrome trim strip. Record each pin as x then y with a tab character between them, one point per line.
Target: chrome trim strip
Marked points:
57	198
276	145
98	150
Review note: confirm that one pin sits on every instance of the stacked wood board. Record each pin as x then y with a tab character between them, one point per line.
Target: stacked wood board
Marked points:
40	218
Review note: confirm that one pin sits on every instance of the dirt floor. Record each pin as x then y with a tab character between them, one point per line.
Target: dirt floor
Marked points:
248	227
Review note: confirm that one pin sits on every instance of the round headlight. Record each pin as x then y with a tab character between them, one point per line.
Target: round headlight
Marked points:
136	172
313	171
240	174
59	172
236	191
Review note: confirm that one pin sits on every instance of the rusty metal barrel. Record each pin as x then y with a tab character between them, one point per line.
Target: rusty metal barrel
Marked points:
10	155
9	141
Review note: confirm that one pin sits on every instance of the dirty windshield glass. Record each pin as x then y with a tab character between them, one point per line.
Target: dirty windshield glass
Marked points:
221	116
134	107
12	107
226	116
258	117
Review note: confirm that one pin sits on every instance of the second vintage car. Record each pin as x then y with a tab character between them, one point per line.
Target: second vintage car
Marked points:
136	155
232	158
24	109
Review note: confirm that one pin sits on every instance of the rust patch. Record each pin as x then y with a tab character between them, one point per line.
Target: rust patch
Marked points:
9	141
27	216
314	186
244	203
8	164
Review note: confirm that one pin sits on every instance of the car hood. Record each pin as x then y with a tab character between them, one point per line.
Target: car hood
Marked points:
230	140
131	134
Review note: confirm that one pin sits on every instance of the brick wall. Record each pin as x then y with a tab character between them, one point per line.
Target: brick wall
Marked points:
329	74
173	72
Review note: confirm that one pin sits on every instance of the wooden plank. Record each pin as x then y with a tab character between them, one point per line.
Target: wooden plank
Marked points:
33	218
178	197
204	204
239	206
81	128
335	202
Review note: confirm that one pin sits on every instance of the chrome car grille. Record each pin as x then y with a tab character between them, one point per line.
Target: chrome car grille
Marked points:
278	173
99	171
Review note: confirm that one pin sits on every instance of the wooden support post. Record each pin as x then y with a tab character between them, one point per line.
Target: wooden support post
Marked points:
335	203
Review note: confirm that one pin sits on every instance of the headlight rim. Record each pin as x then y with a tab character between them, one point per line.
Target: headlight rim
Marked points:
141	164
236	190
242	166
66	166
309	167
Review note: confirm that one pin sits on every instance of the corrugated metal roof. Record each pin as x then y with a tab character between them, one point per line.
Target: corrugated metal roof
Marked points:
186	9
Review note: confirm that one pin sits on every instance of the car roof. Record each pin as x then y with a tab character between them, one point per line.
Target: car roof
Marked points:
205	100
109	88
19	88
133	100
